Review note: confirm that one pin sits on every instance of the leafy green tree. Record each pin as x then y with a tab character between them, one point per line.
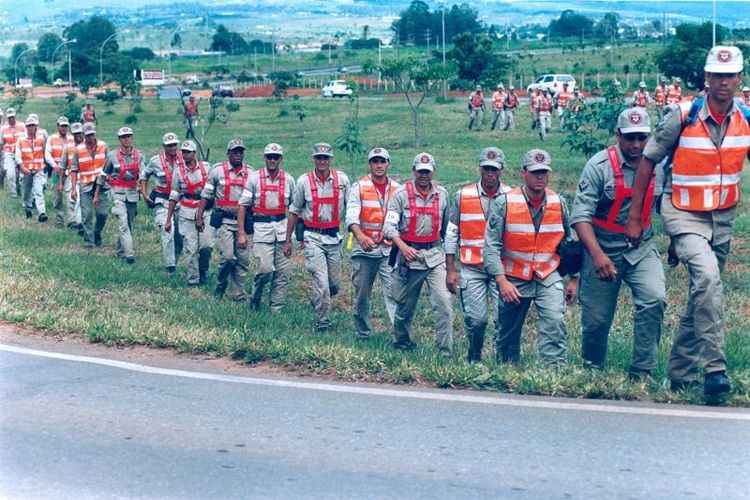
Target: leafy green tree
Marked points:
46	45
592	127
139	53
475	60
607	26
571	24
22	67
40	74
685	56
176	41
228	41
350	140
90	34
282	80
415	79
417	23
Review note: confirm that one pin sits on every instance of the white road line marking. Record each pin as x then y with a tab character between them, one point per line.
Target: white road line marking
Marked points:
497	399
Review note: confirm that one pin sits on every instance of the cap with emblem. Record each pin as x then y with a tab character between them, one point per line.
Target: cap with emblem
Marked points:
424	161
634	120
10	112
76	128
89	129
235	143
537	160
322	149
188	146
724	59
123	131
169	139
511	87
379	153
32	119
642	85
492	157
273	149
746	89
63	120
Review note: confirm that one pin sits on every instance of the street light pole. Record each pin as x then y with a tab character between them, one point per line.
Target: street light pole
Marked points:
714	24
445	82
101	54
54	53
15	64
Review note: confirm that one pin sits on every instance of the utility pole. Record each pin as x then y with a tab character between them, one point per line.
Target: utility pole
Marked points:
428	42
714	24
445	81
380	61
70	72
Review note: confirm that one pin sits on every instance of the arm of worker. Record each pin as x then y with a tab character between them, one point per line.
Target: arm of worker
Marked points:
391	231
143	177
493	251
588	193
295	210
353	209
450	244
245	203
174	198
50	159
661	143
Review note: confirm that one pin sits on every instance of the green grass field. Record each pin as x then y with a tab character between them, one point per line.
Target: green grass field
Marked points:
51	283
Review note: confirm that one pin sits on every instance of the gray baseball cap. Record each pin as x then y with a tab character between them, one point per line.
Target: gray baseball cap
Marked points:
379	153
634	120
322	149
536	160
424	161
123	131
63	120
10	112
76	128
492	157
188	146
89	129
235	143
170	138
273	149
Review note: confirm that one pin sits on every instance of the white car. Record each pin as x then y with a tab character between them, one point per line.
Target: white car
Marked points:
554	83
336	88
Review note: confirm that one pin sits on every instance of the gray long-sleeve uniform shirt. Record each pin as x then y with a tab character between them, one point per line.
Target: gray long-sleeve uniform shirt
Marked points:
112	169
594	198
398	218
494	244
180	187
216	185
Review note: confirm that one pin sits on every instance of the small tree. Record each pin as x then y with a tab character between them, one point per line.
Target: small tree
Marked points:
71	107
282	80
415	79
19	98
350	139
591	128
108	97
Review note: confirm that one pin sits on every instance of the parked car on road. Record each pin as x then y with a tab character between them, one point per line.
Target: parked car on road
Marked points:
552	82
336	88
223	90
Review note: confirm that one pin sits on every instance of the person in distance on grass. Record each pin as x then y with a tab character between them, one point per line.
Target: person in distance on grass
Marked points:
416	222
476	108
511	103
320	201
88	164
674	91
121	173
544	111
188	182
746	96
708	141
10	132
524	230
225	184
562	99
534	104
88	115
498	105
74	203
641	97
58	153
265	201
162	167
465	236
30	159
365	216
600	210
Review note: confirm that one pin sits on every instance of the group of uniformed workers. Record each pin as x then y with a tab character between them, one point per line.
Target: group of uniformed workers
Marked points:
496	247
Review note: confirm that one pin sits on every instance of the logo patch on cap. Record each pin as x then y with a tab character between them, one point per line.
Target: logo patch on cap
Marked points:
425	159
539	157
274	148
324	148
491	155
635	118
377	151
724	56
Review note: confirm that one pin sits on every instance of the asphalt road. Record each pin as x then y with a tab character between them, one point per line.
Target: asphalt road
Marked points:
76	428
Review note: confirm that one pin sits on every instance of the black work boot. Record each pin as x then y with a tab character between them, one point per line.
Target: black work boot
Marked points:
476	343
260	283
222	279
715	384
204	261
101	220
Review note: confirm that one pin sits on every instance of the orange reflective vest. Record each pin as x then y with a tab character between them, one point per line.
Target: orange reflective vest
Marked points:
704	177
11	135
660	97
134	167
318	201
191	198
477	99
528	253
640	99
545	104
746	99
563	98
265	188
432	211
471	224
373	208
227	201
622	193
90	167
32	153
89	115
674	94
498	100
58	145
